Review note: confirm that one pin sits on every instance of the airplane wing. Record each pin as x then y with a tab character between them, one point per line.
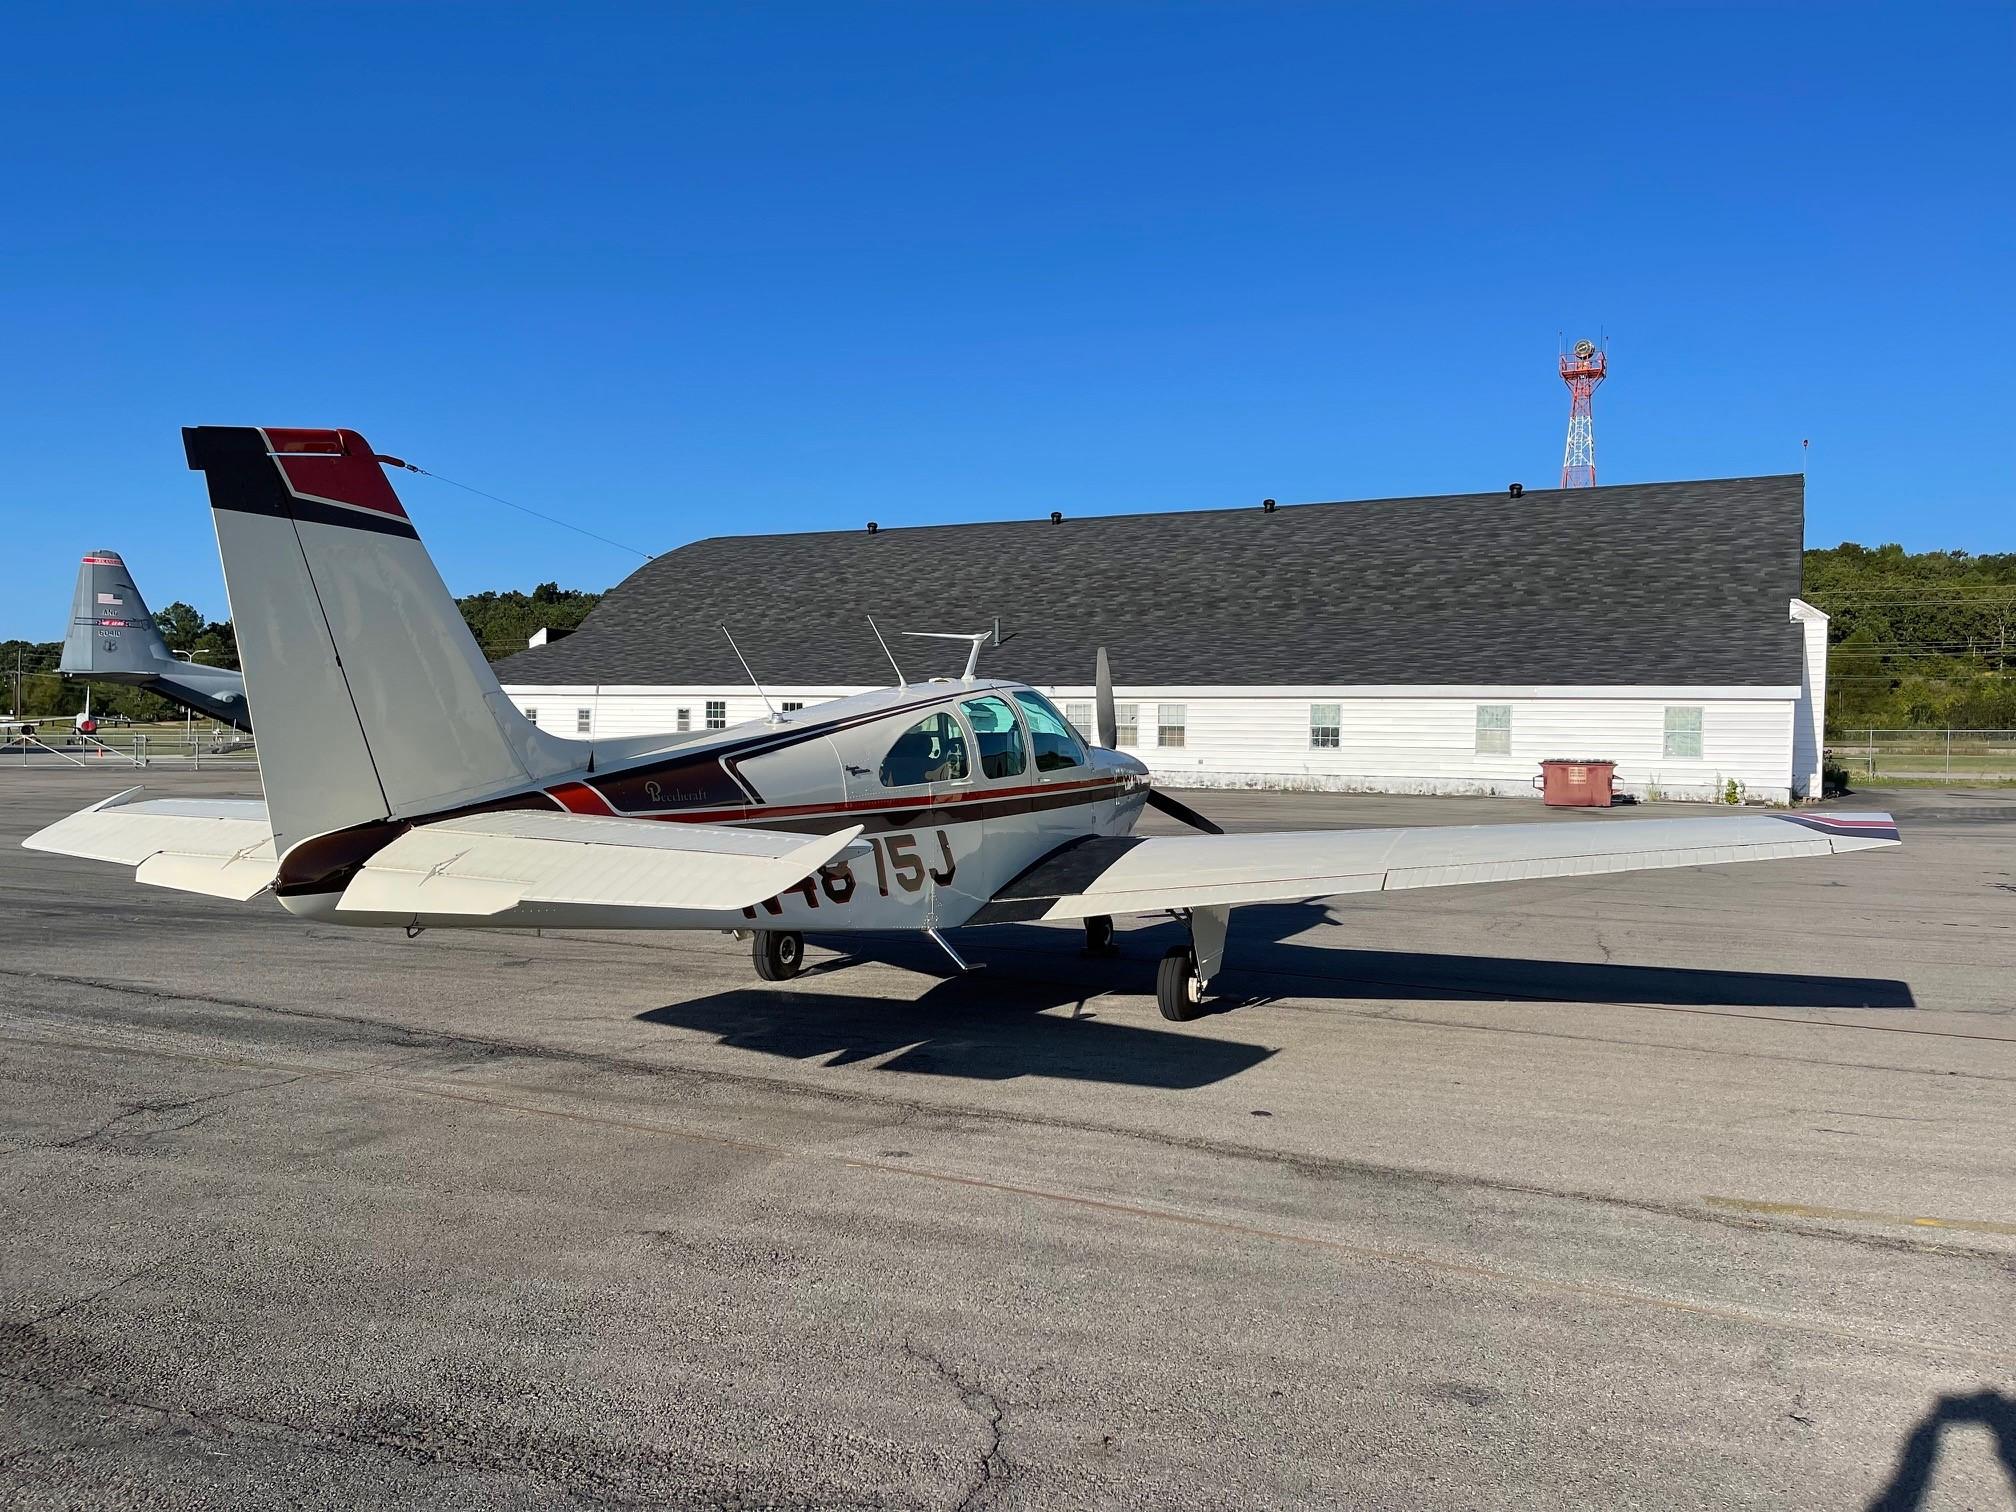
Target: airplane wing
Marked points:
475	866
488	863
219	846
1126	875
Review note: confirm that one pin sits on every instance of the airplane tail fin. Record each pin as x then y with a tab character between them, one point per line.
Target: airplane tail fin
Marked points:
374	700
111	634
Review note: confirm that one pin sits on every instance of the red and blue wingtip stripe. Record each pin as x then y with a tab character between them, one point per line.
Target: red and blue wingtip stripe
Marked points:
1847	826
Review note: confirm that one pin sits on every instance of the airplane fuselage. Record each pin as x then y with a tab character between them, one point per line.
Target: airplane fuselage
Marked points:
957	787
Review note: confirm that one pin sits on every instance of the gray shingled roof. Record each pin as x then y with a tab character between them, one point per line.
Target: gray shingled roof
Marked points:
1638	584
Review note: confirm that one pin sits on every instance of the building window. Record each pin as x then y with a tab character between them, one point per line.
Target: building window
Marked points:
533	715
1683	734
1127	722
1170	724
1494	729
584	721
685	719
931	750
717	713
1326	726
791	705
1082	720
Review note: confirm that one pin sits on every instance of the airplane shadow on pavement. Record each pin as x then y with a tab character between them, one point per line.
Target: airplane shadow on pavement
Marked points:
1912	1476
986	1026
995	1023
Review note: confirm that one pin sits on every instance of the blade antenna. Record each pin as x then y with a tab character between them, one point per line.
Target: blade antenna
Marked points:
775	717
901	682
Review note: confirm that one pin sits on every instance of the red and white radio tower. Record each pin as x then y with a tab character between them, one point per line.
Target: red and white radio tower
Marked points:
1581	370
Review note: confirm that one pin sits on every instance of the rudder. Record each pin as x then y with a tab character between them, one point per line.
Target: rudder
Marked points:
374	700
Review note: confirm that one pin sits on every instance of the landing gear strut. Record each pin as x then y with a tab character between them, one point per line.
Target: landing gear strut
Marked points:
779	953
1187	970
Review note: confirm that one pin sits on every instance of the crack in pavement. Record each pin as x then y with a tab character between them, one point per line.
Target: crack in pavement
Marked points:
995	1470
103	1291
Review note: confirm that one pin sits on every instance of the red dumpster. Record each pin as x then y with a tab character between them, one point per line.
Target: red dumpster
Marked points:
1575	784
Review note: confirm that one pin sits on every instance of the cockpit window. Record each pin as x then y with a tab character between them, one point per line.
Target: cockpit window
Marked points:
999	735
931	750
1057	744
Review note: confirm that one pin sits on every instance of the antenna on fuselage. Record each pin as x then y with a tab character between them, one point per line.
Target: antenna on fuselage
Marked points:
901	681
775	717
976	640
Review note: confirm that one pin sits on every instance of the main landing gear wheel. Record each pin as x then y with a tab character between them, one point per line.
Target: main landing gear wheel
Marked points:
1177	991
779	953
1098	934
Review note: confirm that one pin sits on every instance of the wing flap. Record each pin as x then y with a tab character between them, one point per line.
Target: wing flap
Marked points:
490	863
1201	871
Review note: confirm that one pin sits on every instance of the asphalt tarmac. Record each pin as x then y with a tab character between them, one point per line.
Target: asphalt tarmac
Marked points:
1678	1189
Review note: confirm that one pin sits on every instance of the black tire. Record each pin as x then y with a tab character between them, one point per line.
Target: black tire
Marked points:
1175	986
779	954
1099	933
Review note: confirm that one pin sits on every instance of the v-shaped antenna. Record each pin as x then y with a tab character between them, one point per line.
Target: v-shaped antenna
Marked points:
775	717
901	681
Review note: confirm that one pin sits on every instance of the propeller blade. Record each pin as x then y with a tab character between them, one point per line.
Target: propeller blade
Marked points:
1181	811
1109	722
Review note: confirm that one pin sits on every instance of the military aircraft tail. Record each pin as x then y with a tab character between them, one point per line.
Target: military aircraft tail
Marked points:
374	699
111	634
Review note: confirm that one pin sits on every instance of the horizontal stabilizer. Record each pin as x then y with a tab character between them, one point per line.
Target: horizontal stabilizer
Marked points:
218	846
490	863
233	877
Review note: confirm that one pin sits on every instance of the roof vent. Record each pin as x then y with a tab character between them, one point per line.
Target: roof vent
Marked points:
1056	517
1515	490
1268	506
873	527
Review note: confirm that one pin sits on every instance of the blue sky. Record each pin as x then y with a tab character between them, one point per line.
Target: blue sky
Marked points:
679	271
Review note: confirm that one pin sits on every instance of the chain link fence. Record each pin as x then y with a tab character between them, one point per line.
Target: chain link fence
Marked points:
1959	756
55	742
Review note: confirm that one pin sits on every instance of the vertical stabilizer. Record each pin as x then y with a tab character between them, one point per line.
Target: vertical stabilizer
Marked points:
374	699
111	634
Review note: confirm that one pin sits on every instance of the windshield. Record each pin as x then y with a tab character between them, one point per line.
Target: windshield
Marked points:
1057	745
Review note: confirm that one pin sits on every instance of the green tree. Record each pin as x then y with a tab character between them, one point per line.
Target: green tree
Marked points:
180	625
1916	638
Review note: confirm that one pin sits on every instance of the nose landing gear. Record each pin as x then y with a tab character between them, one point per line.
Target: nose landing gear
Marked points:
1099	935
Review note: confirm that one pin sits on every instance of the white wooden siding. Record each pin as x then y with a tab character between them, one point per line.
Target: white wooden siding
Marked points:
1391	741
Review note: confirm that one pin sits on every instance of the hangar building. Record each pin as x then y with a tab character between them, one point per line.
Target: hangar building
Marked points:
1433	645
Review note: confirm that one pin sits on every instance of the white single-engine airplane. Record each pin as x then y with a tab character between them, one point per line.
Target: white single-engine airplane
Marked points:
403	789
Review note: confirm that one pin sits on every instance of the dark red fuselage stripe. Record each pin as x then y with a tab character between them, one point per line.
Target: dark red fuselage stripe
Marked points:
579	798
582	798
